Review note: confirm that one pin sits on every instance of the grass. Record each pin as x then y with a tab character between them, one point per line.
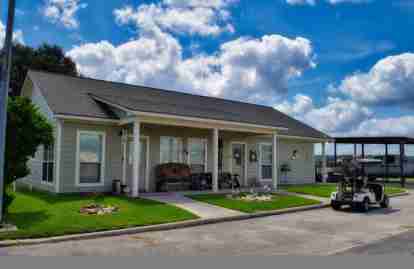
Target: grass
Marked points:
325	190
39	214
279	202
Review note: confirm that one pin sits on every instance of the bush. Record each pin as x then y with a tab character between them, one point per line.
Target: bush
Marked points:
27	129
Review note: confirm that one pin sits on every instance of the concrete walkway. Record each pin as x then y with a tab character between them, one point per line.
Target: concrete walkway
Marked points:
203	210
307	196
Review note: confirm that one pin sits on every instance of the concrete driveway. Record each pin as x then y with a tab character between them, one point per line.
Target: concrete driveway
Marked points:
318	232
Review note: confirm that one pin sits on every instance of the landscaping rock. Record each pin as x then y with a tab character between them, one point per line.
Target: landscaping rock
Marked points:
95	209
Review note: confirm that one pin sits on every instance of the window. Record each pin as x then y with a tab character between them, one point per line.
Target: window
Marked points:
91	158
48	164
171	149
266	157
197	155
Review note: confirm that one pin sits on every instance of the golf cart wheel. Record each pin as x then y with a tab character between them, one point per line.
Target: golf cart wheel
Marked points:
335	206
364	206
386	202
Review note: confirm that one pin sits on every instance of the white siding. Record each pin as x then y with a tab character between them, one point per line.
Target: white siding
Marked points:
34	179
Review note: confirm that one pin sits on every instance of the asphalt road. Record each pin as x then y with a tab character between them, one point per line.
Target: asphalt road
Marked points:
318	232
402	244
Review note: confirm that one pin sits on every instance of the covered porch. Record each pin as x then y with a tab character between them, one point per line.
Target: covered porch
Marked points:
208	147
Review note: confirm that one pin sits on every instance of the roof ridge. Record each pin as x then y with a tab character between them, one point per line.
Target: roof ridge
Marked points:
150	88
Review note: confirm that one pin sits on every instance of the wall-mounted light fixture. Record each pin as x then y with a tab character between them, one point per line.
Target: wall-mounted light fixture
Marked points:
253	156
295	154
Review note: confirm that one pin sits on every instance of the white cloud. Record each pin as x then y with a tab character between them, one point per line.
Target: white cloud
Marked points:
200	3
17	35
332	2
301	2
389	82
150	60
63	12
401	126
247	69
337	116
181	17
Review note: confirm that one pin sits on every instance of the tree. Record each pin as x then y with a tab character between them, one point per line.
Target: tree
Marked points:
27	129
49	58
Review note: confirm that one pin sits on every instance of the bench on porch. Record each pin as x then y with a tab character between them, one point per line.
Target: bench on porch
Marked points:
173	177
178	177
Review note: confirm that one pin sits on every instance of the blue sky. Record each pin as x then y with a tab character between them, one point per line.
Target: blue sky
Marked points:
343	66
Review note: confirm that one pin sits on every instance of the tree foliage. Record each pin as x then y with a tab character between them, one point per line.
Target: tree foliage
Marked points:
49	58
27	129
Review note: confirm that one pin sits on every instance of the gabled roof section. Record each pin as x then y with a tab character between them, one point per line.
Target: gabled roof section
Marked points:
67	95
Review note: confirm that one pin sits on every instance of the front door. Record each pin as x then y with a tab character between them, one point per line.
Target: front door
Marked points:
143	163
238	161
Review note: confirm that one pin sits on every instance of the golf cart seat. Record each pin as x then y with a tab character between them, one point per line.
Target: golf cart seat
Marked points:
377	189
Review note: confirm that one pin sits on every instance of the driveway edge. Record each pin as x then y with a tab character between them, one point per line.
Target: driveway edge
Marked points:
160	227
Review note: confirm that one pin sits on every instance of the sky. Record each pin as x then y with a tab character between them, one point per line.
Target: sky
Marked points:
345	67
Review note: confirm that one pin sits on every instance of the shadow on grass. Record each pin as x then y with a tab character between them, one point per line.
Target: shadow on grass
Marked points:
99	198
27	219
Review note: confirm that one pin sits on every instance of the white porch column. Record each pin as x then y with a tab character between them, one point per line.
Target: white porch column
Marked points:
215	159
137	155
275	168
124	155
324	163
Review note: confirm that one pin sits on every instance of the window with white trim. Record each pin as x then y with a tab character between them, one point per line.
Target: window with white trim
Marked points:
171	149
91	150
197	155
266	157
48	164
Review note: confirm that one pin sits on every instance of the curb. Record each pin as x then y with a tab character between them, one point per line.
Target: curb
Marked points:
160	227
399	194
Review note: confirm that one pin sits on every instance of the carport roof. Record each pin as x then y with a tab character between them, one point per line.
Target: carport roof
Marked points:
374	140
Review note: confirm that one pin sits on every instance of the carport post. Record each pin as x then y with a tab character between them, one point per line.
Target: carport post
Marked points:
387	170
355	152
324	165
402	158
275	168
215	140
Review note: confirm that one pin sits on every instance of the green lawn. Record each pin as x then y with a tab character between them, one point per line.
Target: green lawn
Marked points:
279	202
325	190
42	215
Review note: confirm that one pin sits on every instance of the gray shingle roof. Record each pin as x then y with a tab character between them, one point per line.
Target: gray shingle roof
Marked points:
77	96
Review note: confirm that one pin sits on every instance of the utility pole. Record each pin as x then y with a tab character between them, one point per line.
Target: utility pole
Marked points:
4	88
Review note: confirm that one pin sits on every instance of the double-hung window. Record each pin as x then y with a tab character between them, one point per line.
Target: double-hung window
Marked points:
266	156
171	149
91	157
48	164
197	155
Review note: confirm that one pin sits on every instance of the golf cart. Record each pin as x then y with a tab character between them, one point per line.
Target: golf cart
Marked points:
356	189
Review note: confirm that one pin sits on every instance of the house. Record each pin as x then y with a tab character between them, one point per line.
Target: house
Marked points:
106	131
